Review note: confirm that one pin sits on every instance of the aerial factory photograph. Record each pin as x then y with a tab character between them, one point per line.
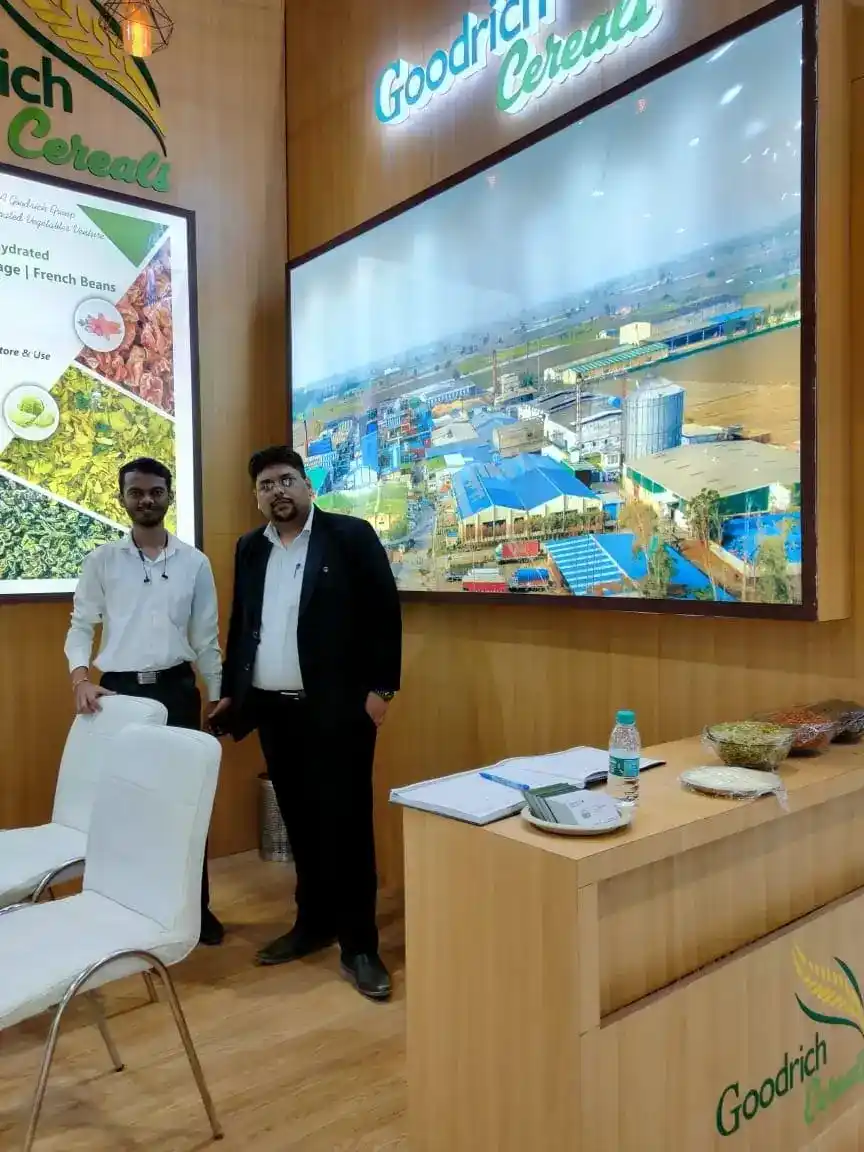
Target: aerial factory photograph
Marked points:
578	372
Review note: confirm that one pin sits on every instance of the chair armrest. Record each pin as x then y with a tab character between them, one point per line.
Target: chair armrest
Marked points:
51	878
15	907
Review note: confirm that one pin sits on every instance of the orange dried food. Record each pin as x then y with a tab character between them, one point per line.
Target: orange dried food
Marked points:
814	730
144	362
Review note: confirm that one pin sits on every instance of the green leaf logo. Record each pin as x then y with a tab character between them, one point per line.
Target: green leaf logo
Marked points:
78	40
836	990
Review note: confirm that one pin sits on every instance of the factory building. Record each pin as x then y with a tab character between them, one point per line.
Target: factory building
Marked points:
518	437
749	477
653	419
636	333
494	501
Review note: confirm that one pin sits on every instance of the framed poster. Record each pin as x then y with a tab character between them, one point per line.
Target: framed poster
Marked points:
583	370
98	365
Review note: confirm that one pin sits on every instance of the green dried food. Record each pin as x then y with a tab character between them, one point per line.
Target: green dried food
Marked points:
749	743
21	418
100	428
43	540
31	405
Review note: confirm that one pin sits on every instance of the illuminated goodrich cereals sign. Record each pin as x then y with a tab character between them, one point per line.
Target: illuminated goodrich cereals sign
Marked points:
526	72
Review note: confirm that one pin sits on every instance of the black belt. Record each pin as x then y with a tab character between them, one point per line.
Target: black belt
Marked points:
148	679
287	695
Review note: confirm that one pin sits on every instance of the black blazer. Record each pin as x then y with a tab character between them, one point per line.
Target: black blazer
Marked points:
349	631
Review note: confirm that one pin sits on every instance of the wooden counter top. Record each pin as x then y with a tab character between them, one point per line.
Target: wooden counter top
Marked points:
671	820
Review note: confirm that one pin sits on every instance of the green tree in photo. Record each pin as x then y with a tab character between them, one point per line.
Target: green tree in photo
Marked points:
703	518
655	584
772	571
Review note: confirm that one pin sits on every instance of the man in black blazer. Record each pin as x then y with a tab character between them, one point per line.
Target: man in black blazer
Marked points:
312	662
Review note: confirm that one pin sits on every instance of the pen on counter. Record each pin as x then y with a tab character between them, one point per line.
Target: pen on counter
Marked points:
507	783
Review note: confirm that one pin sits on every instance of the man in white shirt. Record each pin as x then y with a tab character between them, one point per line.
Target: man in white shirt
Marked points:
155	599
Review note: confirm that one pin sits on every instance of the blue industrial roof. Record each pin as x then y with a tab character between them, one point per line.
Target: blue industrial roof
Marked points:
523	483
473	451
732	317
742	535
485	423
585	561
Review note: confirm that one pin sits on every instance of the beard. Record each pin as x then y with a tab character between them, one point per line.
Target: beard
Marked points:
284	511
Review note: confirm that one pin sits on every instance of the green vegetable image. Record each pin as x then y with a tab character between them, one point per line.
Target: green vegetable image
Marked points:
43	540
21	418
31	411
100	428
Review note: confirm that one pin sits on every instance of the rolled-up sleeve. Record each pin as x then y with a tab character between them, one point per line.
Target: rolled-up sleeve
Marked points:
88	606
204	631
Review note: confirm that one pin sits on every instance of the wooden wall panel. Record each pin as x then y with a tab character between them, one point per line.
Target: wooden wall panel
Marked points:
483	683
222	87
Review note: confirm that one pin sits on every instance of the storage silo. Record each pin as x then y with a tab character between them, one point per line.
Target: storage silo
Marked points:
653	419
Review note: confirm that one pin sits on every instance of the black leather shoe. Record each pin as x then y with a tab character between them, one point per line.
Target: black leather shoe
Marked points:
212	932
368	975
294	945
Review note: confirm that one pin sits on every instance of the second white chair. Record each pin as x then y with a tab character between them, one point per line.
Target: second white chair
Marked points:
32	859
140	909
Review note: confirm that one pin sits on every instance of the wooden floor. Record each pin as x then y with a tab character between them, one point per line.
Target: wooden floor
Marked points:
294	1057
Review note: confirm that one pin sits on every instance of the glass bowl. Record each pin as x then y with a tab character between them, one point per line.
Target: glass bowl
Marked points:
749	743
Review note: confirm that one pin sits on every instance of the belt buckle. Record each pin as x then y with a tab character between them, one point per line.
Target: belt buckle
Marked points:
148	678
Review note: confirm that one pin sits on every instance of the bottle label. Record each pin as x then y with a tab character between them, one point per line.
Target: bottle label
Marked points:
626	766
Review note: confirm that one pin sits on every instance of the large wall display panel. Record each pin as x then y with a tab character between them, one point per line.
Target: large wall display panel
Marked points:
97	366
582	372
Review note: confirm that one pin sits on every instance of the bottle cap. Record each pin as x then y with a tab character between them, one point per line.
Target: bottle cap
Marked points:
626	718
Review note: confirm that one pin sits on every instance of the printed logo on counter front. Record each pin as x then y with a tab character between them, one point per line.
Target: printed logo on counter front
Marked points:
831	997
71	33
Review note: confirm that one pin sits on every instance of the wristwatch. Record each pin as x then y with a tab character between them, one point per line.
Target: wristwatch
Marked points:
384	694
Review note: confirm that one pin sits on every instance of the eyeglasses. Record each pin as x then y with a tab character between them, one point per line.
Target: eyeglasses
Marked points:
286	483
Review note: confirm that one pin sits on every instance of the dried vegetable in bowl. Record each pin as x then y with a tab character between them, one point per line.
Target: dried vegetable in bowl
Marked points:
814	731
847	715
749	743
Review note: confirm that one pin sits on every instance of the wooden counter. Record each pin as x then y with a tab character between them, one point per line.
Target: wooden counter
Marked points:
626	993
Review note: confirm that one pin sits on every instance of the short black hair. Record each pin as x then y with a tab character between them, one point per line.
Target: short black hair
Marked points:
148	467
278	454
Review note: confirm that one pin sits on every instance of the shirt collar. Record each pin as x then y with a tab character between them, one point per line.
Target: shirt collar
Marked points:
169	549
273	536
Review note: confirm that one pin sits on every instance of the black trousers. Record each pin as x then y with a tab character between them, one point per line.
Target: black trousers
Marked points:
321	770
179	693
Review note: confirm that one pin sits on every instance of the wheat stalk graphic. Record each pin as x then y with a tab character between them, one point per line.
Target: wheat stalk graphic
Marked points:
838	991
80	42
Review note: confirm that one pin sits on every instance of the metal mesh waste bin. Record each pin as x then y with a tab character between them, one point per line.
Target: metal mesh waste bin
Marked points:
272	837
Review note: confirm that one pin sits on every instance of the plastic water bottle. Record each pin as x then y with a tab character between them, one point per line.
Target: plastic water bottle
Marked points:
625	749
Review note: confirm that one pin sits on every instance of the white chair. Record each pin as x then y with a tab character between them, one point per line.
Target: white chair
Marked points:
32	859
140	908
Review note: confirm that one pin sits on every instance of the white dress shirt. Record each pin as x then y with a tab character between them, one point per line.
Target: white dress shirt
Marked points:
277	664
147	625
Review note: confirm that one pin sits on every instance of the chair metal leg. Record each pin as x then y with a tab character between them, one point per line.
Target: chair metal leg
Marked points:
191	1054
78	985
45	1069
150	984
102	1025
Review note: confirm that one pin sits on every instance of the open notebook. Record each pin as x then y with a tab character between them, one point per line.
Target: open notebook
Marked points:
481	797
